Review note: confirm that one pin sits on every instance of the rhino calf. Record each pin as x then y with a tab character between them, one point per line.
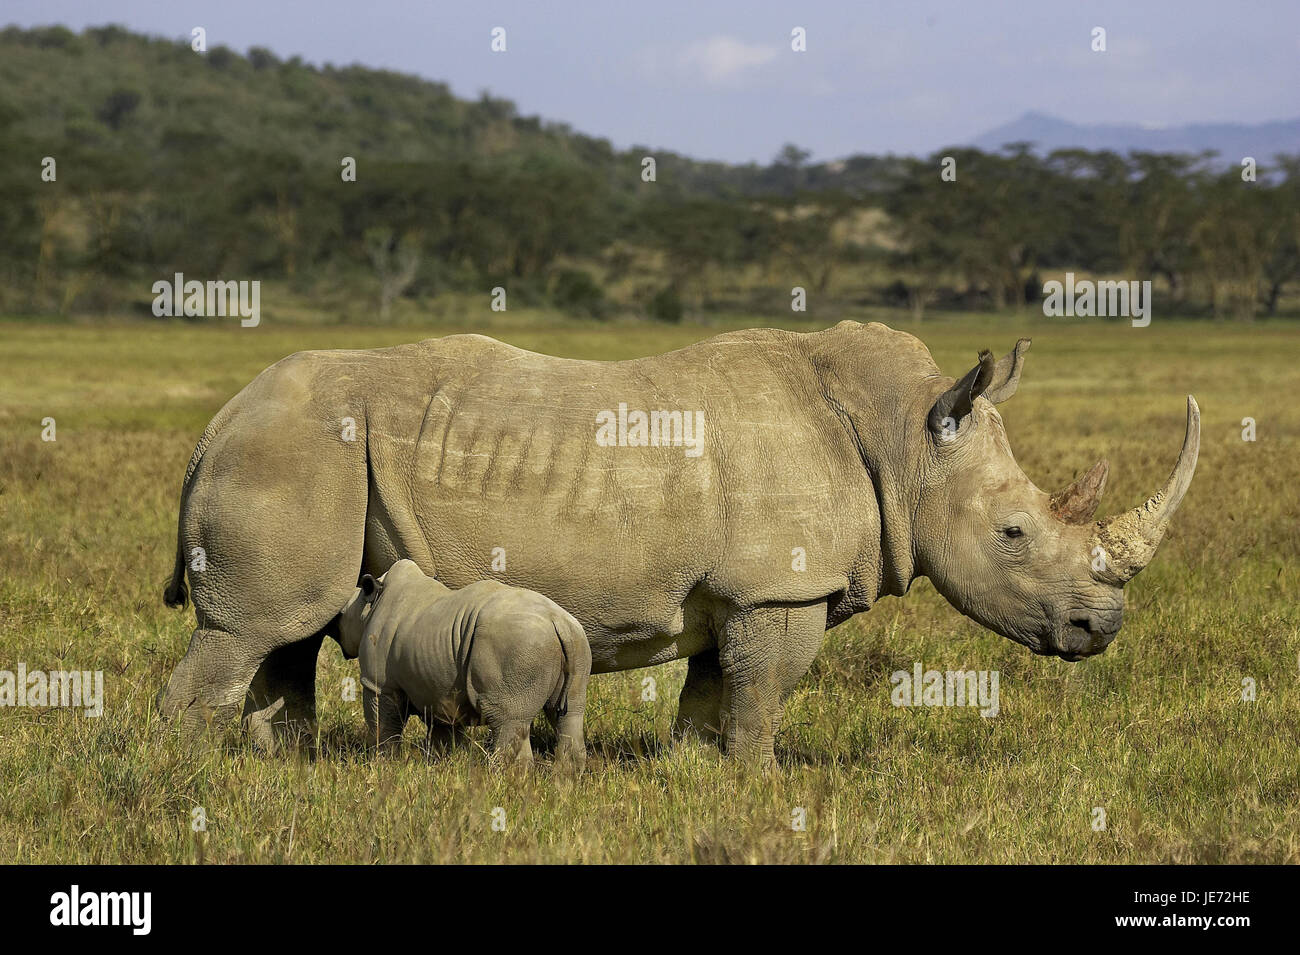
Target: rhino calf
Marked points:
486	653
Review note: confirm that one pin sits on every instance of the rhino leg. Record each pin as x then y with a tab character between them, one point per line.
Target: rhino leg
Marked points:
699	708
507	709
272	530
441	738
764	652
514	672
220	672
570	741
511	746
209	683
281	703
509	717
386	717
571	745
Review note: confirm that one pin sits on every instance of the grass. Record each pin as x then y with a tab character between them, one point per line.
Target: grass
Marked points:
1155	731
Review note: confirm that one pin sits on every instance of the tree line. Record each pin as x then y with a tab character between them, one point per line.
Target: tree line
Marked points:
129	158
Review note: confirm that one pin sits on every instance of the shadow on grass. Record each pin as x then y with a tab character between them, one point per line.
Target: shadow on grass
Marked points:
628	748
349	744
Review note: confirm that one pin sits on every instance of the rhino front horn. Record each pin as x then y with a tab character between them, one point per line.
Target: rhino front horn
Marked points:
1130	540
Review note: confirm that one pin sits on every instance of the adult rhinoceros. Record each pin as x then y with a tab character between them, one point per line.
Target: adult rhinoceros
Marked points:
832	468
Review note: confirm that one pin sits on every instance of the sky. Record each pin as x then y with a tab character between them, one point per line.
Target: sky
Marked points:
719	80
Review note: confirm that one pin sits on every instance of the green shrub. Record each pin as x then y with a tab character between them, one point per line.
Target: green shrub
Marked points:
666	305
576	290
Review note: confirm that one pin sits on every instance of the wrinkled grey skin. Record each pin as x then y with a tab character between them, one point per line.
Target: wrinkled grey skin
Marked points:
486	652
832	442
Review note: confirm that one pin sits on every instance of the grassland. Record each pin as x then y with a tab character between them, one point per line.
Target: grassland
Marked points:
1155	731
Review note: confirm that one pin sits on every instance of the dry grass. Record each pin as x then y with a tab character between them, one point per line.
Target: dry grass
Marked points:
1155	730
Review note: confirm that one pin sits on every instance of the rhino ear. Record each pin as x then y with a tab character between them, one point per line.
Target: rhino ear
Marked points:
954	405
369	587
1006	373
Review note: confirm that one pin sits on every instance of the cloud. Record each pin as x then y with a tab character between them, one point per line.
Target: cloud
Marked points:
721	59
716	61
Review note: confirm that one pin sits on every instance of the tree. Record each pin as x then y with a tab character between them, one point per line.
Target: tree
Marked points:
789	166
395	260
1159	217
804	231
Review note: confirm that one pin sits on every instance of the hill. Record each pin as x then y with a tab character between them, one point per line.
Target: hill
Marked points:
1230	141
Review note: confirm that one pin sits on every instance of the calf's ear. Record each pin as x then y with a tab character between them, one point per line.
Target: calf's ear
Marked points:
952	407
368	587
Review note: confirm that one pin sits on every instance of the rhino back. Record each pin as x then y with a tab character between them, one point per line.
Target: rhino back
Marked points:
480	446
469	445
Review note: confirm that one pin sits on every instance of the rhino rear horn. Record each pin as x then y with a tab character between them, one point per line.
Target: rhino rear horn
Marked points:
955	404
1077	503
1006	373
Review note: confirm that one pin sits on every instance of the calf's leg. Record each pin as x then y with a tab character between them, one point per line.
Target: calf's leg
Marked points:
386	716
511	746
570	741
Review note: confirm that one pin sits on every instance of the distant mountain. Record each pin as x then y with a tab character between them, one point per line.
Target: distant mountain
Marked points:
1231	140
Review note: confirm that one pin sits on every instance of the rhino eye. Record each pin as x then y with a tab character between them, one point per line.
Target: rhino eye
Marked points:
1014	532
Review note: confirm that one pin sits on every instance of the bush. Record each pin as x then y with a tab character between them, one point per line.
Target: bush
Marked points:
666	305
262	58
576	290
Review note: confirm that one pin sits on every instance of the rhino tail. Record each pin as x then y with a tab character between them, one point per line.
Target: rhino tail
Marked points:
575	649
176	594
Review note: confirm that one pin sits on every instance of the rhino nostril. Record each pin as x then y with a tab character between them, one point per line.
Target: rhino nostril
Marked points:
1084	621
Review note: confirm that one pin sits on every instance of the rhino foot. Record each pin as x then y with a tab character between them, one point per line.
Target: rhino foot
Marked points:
511	746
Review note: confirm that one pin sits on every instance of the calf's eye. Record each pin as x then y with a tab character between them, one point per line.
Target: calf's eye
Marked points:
1014	532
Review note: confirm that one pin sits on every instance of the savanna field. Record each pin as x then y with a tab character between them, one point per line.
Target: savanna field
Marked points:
1155	731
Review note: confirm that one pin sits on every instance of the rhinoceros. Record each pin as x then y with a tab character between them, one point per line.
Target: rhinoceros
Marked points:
485	652
823	471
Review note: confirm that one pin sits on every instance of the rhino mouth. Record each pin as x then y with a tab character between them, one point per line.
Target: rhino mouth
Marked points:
1085	633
